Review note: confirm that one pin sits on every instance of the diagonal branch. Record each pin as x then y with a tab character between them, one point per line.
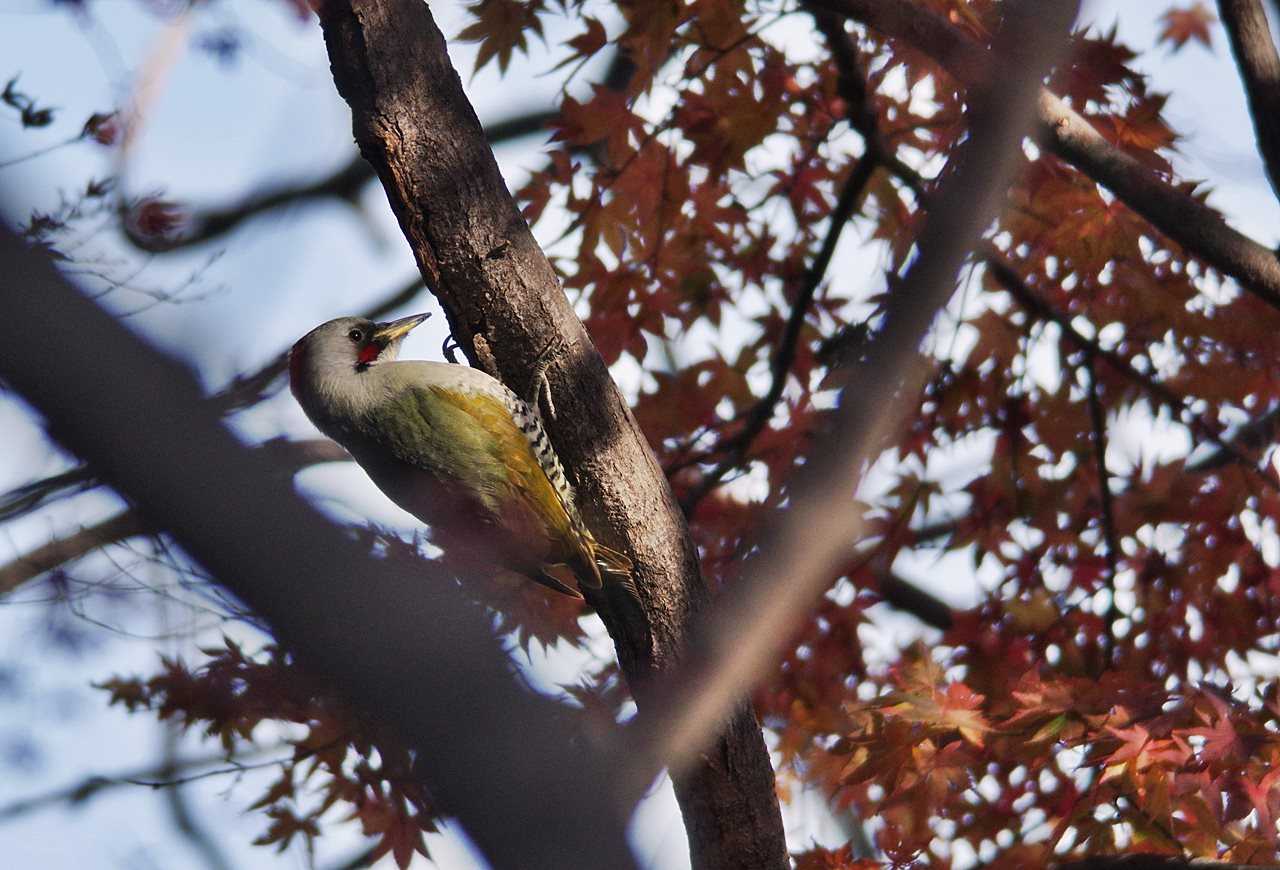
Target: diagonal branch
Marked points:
1172	210
852	88
744	633
1256	56
25	498
92	381
59	551
344	184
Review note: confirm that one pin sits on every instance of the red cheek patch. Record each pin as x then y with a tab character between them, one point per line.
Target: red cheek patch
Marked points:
368	354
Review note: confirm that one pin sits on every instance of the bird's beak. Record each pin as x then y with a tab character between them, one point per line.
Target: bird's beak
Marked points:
392	330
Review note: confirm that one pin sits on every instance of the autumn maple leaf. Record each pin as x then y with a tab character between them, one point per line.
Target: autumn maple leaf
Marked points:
1183	25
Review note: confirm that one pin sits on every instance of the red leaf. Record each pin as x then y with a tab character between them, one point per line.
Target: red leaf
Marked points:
1183	25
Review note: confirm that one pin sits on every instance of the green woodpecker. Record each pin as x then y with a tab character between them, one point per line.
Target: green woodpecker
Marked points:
453	447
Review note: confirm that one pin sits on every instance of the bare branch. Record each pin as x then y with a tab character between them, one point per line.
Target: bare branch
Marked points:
59	551
345	184
1180	216
1247	28
228	510
184	821
91	786
852	88
288	456
743	633
23	499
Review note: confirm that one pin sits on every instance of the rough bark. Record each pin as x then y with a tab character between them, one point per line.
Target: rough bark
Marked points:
507	310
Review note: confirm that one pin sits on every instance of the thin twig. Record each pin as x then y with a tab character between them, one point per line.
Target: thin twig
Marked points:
184	820
344	184
1009	278
91	786
1111	541
288	456
762	411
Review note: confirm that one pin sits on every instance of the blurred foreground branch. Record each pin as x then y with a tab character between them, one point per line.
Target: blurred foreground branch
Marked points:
288	458
742	635
400	644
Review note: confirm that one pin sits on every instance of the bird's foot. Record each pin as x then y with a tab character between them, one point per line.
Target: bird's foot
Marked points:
450	345
539	394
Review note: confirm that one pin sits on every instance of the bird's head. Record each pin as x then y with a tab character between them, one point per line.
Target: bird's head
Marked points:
346	346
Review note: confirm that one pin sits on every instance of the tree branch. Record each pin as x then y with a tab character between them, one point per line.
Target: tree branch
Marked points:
1009	278
761	412
184	821
288	457
1174	212
25	498
345	184
851	85
507	311
742	634
447	691
91	786
1246	24
59	551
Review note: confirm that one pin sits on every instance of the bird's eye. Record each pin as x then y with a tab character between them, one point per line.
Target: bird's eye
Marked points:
355	335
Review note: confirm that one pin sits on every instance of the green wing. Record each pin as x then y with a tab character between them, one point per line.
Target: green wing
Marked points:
470	440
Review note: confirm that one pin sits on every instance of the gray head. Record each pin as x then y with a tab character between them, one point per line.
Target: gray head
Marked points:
345	347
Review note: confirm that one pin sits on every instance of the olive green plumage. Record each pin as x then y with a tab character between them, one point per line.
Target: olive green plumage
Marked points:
456	449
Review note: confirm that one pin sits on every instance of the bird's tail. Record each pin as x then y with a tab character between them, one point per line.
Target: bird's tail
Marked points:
614	565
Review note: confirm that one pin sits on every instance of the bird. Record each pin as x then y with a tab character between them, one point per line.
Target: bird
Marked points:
455	448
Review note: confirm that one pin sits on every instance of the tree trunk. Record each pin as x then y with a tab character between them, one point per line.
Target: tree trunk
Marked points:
506	308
